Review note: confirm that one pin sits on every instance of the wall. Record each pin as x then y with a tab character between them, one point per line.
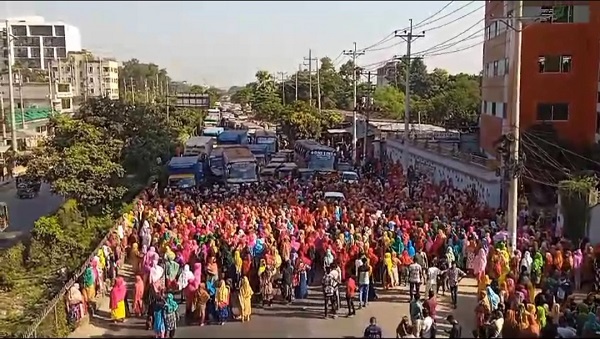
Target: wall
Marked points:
463	176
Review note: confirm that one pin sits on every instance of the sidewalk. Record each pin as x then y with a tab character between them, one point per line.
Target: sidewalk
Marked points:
101	324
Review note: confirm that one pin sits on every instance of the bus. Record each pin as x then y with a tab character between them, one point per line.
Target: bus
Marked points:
212	131
239	165
213	118
313	155
198	146
266	137
233	137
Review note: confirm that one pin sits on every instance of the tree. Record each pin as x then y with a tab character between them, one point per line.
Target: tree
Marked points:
81	162
266	101
244	96
457	105
389	99
141	76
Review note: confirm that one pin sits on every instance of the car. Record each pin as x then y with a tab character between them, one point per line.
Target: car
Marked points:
350	177
334	196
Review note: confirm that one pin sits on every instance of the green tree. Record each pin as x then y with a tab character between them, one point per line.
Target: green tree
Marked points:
266	100
457	105
389	100
81	162
244	96
143	75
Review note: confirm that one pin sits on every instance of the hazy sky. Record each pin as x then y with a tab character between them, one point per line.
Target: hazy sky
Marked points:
225	43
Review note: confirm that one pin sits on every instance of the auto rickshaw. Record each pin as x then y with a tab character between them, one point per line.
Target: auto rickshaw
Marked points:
3	216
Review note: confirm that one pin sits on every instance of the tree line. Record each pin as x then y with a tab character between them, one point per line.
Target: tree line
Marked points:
437	96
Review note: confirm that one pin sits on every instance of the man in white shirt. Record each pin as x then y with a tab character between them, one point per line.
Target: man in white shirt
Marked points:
427	327
432	275
415	272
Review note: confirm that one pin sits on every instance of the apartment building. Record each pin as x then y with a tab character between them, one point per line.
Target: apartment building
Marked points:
386	72
560	60
37	42
88	75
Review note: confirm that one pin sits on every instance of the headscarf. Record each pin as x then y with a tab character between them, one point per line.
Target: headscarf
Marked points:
237	260
74	296
262	266
527	261
592	324
222	296
184	277
156	272
541	316
171	305
118	292
328	259
245	289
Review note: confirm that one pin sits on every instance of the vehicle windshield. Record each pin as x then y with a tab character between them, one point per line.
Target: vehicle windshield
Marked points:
306	175
320	160
182	182
349	176
242	171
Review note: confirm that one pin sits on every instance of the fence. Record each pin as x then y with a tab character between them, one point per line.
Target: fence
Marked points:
53	320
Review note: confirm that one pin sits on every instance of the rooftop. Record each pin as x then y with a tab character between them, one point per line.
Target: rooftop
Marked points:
32	114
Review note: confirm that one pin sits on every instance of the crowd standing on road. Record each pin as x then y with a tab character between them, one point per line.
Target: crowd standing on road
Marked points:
221	252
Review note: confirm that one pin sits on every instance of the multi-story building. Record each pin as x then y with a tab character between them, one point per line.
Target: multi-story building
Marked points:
88	75
37	42
386	72
559	76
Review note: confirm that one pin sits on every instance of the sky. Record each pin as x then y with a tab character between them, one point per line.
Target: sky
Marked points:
224	43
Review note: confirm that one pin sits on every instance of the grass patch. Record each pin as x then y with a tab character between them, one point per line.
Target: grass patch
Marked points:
32	272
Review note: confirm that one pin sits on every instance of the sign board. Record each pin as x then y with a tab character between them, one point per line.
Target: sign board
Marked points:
192	100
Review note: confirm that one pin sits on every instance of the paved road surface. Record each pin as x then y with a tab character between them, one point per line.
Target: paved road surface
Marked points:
24	212
301	319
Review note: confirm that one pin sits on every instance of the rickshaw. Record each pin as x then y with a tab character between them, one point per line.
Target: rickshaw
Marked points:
3	216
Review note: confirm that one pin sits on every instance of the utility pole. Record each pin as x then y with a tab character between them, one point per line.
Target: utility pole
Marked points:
101	75
354	53
156	92
11	89
3	115
146	90
369	108
318	87
310	59
132	91
51	89
409	37
513	185
282	74
298	74
167	100
21	99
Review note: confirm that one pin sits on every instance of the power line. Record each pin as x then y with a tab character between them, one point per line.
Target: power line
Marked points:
455	20
421	24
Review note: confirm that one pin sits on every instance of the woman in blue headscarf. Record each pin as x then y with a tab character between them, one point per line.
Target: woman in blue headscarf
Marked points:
591	326
171	315
411	249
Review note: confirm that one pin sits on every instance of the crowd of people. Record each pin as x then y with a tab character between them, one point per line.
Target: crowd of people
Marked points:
219	252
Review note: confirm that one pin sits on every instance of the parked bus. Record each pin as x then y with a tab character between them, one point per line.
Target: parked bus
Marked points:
198	146
239	165
212	131
266	137
233	137
313	155
213	118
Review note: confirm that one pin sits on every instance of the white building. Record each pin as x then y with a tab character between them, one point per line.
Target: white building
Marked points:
37	42
88	75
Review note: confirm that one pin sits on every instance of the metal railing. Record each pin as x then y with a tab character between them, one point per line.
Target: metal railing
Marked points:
47	325
451	152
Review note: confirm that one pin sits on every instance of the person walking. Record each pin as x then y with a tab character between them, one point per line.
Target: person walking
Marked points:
415	275
456	330
364	279
350	294
454	276
329	295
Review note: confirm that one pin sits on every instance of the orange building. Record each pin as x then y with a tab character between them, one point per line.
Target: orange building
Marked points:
560	61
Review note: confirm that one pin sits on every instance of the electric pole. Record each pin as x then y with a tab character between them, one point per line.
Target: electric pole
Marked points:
282	74
132	91
354	53
368	108
318	87
297	75
146	89
21	99
409	37
513	184
3	115
310	59
11	90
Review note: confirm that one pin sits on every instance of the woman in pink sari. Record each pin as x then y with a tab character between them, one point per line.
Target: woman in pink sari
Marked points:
138	303
479	263
117	300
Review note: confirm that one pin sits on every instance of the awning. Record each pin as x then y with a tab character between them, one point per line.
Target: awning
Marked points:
3	149
337	131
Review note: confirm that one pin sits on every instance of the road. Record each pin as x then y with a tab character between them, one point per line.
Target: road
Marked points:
24	212
302	319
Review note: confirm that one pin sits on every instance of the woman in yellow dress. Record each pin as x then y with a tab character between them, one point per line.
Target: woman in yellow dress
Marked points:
246	299
117	300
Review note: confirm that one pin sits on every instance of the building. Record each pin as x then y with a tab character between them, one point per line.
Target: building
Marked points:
559	70
88	75
37	42
386	72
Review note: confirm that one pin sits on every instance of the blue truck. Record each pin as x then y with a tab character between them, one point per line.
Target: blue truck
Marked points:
261	152
233	137
185	172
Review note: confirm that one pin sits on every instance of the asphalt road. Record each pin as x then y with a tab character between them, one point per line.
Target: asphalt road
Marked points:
302	319
24	212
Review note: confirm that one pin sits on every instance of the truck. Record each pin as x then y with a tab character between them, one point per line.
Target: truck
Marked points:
267	137
239	165
233	137
212	132
261	153
185	172
213	118
198	146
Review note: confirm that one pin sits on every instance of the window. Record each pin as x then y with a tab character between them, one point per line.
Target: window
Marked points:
495	68
91	80
495	28
557	14
91	90
91	69
553	112
549	64
565	63
488	32
493	109
65	103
